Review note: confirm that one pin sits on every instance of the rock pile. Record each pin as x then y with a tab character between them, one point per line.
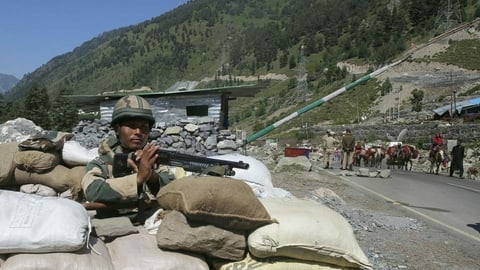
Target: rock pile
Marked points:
200	136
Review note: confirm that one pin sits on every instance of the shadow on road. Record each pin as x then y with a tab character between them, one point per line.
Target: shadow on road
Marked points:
475	226
422	207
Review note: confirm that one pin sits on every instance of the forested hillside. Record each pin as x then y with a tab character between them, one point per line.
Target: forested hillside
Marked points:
206	38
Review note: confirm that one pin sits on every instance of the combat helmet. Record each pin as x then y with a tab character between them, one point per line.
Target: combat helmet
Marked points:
132	107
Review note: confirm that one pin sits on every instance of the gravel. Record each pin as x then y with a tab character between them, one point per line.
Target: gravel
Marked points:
390	237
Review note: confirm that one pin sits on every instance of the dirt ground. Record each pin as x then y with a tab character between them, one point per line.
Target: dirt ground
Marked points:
390	237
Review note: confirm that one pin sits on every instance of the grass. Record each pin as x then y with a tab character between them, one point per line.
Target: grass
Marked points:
462	53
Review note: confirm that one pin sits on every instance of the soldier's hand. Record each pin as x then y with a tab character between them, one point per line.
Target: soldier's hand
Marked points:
146	159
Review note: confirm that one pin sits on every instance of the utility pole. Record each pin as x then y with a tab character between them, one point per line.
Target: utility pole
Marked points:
358	115
398	98
451	108
454	103
449	14
305	128
301	93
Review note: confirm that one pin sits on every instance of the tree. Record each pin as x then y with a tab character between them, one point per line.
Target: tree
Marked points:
284	59
386	87
416	100
37	106
292	63
64	112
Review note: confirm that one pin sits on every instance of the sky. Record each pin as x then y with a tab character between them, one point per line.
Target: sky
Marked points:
34	31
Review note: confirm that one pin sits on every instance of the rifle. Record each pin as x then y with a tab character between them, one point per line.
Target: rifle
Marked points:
192	163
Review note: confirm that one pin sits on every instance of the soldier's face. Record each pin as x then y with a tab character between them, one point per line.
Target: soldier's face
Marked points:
133	133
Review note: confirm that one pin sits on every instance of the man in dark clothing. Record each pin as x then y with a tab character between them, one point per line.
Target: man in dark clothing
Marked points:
458	153
348	144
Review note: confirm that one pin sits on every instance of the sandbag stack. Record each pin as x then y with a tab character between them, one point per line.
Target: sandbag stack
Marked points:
204	222
264	233
36	166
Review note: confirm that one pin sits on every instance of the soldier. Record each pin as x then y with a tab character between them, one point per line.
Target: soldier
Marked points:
132	120
348	144
329	145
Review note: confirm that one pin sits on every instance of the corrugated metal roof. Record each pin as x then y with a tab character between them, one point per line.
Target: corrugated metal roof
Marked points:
92	102
459	107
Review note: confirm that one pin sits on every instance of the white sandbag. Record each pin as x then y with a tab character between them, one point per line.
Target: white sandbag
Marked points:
38	189
94	256
140	252
74	154
35	224
307	230
257	176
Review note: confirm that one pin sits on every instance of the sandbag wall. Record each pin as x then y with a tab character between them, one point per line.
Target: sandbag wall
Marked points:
39	172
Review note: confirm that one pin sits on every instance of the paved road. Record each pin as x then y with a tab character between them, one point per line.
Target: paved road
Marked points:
448	202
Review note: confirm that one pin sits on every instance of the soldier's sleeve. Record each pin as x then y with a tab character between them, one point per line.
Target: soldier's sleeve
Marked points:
98	186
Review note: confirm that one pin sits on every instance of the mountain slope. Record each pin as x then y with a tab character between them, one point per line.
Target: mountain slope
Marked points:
211	38
247	37
7	82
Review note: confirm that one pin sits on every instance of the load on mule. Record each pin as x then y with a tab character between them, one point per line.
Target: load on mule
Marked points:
370	156
401	156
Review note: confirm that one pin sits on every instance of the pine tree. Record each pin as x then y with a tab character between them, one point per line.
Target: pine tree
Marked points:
416	100
37	106
64	112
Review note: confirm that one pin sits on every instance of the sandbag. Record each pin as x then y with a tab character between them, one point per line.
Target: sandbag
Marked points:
59	178
307	230
93	256
35	224
74	154
276	263
220	201
7	166
38	189
3	257
46	141
140	252
257	176
36	161
176	233
109	228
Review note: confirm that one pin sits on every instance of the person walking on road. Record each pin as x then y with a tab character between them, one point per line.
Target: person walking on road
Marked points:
458	153
348	144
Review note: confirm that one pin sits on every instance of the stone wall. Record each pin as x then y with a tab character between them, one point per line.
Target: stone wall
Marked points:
200	136
468	132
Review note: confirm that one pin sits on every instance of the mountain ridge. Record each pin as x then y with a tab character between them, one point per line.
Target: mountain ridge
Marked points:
7	82
229	41
204	38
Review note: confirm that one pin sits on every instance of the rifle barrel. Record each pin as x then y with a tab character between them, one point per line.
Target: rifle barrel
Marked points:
181	160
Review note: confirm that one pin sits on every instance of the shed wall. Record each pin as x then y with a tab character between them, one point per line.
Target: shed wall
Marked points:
170	109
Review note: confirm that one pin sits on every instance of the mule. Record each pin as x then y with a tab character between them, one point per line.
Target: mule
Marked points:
378	157
406	155
436	158
392	157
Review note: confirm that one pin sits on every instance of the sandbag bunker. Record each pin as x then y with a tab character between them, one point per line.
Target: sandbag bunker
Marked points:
203	222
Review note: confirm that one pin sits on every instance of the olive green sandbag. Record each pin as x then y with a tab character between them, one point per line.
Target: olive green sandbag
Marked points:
7	166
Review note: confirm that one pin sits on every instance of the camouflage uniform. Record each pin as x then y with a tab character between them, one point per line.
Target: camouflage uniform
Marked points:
117	195
99	185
